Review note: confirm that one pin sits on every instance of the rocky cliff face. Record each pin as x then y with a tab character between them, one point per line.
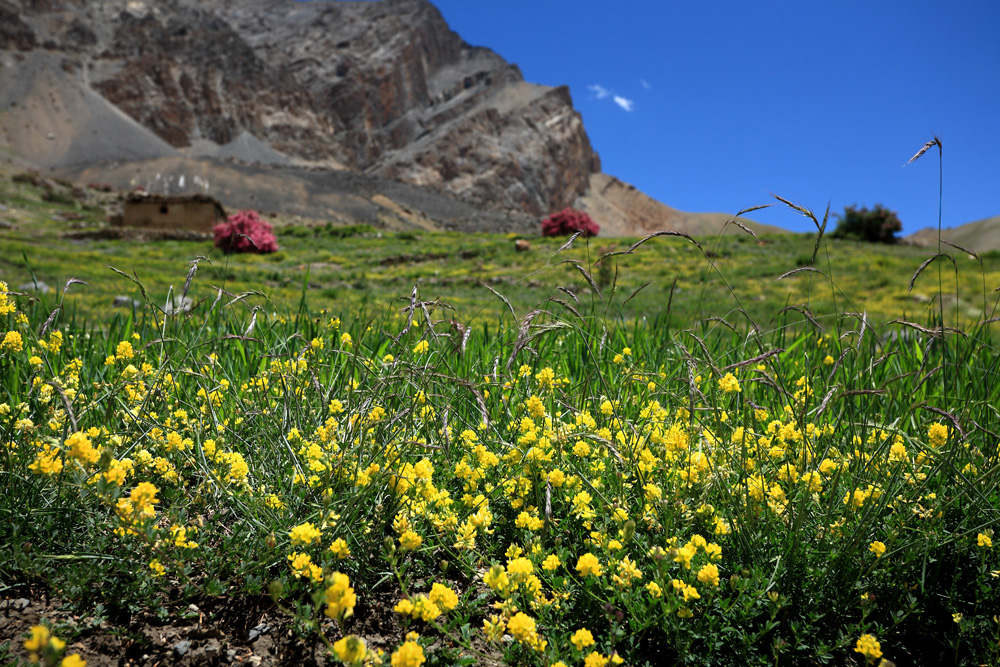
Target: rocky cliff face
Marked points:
186	75
383	87
410	100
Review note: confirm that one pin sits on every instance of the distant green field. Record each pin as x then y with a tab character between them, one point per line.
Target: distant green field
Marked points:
720	468
346	270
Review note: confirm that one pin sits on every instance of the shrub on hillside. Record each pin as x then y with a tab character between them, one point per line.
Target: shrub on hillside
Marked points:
569	221
245	231
878	225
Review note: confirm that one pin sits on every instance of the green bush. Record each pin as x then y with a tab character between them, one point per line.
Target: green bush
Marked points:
878	225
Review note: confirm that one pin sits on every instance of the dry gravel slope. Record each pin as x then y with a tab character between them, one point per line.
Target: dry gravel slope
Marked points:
979	236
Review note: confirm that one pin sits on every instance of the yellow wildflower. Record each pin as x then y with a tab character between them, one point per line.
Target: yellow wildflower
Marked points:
869	647
581	639
937	434
410	654
304	534
12	342
444	597
522	627
409	540
350	649
709	574
41	640
302	566
551	562
339	548
588	565
729	384
340	597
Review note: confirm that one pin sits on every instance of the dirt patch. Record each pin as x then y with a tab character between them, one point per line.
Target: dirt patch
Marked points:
137	234
395	260
210	631
225	630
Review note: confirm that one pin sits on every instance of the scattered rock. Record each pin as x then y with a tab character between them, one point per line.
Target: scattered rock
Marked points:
257	631
15	605
3	207
6	224
182	647
212	648
126	302
178	305
37	286
521	245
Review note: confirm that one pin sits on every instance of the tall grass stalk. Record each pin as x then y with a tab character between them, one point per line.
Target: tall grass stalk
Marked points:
702	492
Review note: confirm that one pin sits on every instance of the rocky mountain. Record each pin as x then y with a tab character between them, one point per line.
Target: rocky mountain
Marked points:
383	88
978	236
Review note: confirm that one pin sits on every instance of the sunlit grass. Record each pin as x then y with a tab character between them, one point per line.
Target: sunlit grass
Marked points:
754	459
592	488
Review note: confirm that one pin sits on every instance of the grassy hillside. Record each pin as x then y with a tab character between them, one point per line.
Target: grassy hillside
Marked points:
981	236
310	470
345	269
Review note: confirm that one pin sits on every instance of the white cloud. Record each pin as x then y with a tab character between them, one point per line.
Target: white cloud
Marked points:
600	91
645	84
624	102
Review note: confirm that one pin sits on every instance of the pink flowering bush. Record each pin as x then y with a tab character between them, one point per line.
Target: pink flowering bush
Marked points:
245	231
569	221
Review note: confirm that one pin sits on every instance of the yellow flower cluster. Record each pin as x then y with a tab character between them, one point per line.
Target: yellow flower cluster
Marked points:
12	342
340	597
6	305
350	649
868	647
45	647
410	654
304	534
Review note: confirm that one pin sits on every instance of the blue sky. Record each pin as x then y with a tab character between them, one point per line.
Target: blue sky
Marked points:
708	105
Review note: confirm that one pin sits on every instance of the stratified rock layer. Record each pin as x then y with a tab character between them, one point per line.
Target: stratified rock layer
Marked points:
382	88
410	100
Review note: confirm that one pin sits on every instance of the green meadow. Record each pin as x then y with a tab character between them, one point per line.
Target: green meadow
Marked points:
426	448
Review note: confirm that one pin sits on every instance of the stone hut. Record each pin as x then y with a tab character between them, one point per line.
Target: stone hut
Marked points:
197	212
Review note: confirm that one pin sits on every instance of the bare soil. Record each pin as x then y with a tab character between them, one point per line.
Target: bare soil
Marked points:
226	630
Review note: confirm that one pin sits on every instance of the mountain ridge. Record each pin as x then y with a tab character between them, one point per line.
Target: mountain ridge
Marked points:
383	88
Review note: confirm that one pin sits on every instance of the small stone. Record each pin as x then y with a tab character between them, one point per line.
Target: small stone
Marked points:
178	305
257	631
3	207
6	224
37	286
18	604
182	647
191	607
230	655
128	302
254	660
